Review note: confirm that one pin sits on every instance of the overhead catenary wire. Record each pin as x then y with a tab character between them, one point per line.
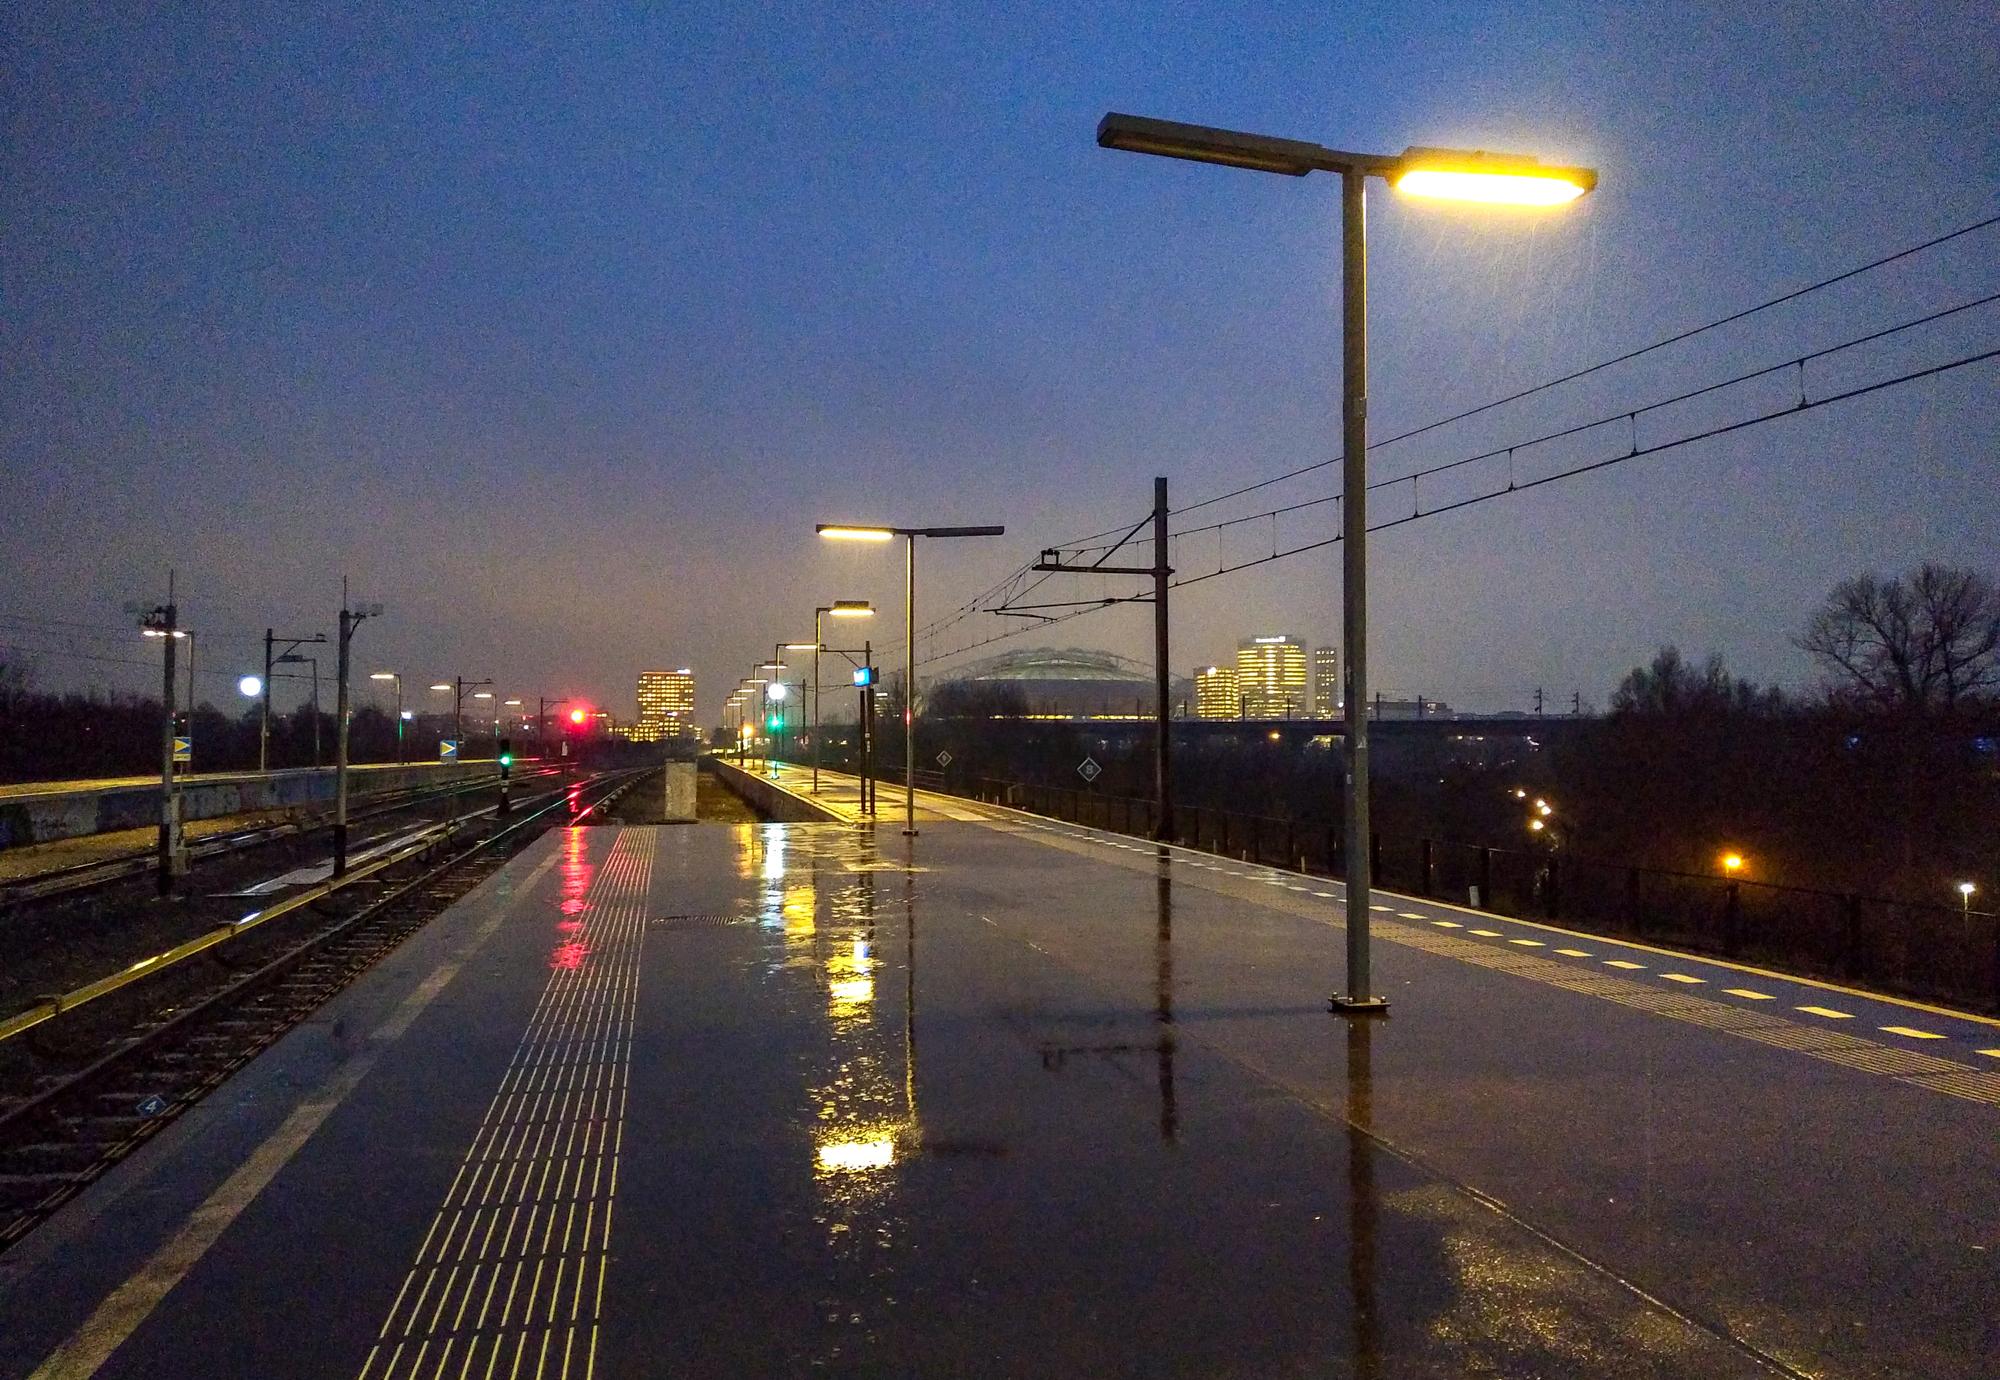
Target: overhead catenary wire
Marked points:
1585	372
1607	419
1402	520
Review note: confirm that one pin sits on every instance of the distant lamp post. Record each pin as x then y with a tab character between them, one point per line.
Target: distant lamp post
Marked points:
839	608
1446	174
844	532
250	687
1965	890
400	715
1732	863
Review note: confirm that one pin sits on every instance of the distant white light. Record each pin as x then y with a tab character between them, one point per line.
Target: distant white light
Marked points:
252	686
409	713
775	690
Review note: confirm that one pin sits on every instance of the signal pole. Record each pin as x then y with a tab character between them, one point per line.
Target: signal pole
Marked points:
1161	572
349	621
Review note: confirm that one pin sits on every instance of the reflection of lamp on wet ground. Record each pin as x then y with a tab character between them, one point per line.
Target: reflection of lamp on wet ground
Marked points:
1361	1196
878	1152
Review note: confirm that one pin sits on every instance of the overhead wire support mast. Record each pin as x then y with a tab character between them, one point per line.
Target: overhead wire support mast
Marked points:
1161	573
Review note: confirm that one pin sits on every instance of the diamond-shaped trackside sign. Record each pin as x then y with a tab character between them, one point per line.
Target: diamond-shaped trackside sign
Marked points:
1088	769
944	759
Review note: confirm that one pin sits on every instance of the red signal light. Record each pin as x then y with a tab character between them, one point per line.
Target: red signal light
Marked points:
577	716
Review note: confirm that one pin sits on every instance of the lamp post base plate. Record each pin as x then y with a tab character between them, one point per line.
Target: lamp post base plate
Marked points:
1358	1006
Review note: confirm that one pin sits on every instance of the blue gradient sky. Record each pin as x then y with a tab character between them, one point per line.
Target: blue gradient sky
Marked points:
556	330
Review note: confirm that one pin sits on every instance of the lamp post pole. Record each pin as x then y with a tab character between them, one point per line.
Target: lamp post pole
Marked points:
1444	173
910	688
818	640
1354	580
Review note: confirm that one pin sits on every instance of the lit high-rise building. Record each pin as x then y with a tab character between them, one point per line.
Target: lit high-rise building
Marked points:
1271	677
1326	682
1215	693
666	705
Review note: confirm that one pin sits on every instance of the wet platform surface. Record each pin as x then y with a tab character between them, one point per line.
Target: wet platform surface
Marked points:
1016	1098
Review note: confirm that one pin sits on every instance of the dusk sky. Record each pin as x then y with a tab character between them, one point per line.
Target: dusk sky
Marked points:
557	329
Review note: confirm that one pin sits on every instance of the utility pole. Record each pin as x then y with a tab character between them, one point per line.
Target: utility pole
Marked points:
1163	750
350	619
1538	701
1576	704
163	622
867	712
1161	573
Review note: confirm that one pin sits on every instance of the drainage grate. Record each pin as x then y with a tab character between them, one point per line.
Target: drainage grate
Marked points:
697	922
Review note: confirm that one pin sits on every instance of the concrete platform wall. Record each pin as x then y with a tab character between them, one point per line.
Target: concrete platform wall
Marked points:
72	814
767	797
677	782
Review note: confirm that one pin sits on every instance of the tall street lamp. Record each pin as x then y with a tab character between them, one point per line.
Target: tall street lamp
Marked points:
838	531
391	675
839	608
1447	174
752	691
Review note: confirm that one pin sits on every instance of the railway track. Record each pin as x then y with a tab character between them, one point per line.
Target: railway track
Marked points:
119	1089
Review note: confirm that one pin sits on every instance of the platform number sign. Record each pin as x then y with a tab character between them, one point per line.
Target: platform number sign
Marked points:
447	750
1089	770
183	747
944	759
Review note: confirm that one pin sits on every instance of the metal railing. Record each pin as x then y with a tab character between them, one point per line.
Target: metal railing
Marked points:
1933	952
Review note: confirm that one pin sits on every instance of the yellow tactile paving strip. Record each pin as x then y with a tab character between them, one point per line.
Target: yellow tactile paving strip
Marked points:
1923	1070
509	1280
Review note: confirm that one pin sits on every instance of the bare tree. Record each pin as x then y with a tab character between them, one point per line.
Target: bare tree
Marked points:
1672	686
1920	644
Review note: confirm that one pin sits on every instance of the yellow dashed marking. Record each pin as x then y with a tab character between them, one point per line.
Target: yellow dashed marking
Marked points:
1990	1053
1621	963
1448	924
1485	934
1383	909
1746	992
1575	953
1681	977
1529	943
1410	915
1825	1011
1912	1032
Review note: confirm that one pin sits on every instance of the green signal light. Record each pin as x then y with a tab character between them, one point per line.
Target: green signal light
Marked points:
506	759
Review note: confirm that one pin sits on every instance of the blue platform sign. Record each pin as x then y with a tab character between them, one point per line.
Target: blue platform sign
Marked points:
864	675
447	750
183	747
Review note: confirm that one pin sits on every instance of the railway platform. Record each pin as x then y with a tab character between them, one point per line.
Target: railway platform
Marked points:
1013	1098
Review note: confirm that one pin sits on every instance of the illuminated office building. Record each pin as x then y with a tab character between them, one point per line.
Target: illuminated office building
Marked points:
1271	677
666	705
1215	693
1326	682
